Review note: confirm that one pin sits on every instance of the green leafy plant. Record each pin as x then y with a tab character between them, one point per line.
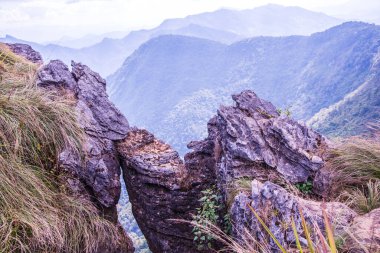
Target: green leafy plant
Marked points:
207	213
305	187
210	212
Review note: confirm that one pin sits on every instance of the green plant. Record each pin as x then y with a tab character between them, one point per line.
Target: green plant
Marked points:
305	187
285	111
207	213
210	212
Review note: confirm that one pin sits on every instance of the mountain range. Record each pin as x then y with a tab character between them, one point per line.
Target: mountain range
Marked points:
178	82
225	26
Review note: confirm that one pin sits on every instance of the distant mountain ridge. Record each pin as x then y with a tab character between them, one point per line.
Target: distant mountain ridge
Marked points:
176	82
225	26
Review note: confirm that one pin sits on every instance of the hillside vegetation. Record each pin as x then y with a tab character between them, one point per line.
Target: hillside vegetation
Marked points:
108	55
168	81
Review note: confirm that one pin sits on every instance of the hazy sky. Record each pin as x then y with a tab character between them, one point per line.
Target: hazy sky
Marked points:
43	20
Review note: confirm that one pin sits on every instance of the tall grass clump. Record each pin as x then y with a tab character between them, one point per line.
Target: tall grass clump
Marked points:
355	162
37	212
248	242
363	199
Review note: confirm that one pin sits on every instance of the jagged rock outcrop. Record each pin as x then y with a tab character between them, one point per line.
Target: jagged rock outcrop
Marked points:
102	124
27	52
254	137
94	171
250	141
163	189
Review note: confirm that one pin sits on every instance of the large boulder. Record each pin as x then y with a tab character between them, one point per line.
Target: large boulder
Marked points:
255	139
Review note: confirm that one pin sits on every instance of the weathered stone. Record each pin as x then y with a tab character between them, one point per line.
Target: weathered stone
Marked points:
163	190
57	74
100	170
277	208
247	140
253	136
92	91
93	172
366	233
27	52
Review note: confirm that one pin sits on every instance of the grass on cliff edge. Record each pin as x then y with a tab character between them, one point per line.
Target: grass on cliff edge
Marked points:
37	214
355	168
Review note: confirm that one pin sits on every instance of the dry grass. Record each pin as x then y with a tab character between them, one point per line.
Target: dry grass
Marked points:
363	199
248	242
354	163
37	214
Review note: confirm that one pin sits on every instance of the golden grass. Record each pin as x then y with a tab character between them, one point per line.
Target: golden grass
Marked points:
37	212
355	162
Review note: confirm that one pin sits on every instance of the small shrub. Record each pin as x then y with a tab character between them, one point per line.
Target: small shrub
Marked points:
305	187
210	212
207	213
285	111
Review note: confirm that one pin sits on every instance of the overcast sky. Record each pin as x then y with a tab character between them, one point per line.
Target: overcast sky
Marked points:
45	20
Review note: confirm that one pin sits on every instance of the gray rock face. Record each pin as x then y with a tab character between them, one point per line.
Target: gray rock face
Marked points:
254	137
111	124
102	124
27	52
94	172
163	190
57	74
277	207
366	230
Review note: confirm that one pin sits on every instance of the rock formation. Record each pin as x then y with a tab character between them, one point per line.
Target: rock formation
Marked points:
93	172
27	52
250	140
163	190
